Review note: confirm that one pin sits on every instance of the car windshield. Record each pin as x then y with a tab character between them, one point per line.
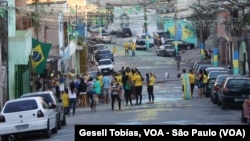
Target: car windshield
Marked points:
140	42
105	62
18	106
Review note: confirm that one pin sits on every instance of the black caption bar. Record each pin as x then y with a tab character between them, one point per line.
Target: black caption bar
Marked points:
140	132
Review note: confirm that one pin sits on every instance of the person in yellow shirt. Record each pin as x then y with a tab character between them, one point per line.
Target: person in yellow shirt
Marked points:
133	48
192	80
138	79
65	101
114	50
205	81
151	83
119	80
126	48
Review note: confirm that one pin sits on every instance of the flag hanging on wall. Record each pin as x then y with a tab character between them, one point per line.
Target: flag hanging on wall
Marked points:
40	55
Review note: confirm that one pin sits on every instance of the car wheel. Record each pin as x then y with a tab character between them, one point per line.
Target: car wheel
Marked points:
188	47
218	102
211	98
214	100
47	132
64	120
162	55
4	137
55	129
243	119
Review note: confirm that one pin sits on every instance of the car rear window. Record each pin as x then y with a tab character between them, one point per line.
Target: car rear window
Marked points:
19	106
105	52
99	47
238	83
215	74
45	96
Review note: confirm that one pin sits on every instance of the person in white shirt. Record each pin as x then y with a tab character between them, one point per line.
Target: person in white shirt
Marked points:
72	97
162	40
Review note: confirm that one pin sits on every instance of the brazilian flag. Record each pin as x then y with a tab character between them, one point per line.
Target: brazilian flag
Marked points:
40	55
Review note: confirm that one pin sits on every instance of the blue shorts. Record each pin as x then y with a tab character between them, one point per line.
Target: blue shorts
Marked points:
200	85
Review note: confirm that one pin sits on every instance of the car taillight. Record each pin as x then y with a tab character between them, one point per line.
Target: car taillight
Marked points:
216	88
40	113
225	90
2	118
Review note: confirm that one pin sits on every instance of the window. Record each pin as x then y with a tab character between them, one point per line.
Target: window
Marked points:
19	106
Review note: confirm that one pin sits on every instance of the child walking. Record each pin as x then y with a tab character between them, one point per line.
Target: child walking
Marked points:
65	101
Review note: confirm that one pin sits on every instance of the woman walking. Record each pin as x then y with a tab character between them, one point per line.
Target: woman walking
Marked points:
200	85
192	81
90	94
151	83
97	90
115	88
72	97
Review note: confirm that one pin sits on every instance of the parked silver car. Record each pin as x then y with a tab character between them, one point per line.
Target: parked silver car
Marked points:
105	38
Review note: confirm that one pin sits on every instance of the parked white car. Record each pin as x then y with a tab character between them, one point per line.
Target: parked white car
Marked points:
26	115
105	66
148	38
51	98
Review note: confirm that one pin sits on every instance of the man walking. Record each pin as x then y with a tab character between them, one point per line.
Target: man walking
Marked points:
178	61
133	47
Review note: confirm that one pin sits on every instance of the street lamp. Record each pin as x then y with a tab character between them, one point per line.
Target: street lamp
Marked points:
4	89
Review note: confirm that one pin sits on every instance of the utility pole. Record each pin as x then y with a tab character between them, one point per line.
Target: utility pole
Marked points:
175	30
4	80
45	31
145	18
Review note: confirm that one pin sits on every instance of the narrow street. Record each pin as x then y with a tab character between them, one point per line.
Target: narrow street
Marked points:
169	107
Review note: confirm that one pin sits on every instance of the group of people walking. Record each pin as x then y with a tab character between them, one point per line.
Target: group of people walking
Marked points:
190	80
